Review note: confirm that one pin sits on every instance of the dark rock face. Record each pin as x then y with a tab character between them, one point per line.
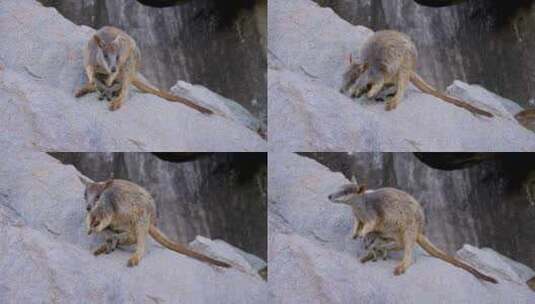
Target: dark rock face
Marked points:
484	204
201	42
220	195
482	42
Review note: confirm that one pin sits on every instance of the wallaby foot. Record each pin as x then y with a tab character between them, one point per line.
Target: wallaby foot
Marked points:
400	269
116	104
133	261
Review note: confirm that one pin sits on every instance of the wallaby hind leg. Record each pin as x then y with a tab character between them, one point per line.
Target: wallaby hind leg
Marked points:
409	241
142	231
402	83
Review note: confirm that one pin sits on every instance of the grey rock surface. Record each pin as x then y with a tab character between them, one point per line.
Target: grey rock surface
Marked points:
309	48
41	67
312	258
45	253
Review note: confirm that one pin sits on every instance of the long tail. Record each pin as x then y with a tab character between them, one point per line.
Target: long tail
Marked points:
147	88
434	251
162	239
427	88
525	116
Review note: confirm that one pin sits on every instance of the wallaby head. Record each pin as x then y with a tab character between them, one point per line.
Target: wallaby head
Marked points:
371	80
351	75
93	192
98	219
108	54
346	193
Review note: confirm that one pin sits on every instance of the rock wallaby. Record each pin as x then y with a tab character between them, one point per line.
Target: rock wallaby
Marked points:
112	61
388	58
397	216
127	214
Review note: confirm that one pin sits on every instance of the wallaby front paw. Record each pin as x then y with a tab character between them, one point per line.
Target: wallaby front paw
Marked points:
101	250
80	92
365	258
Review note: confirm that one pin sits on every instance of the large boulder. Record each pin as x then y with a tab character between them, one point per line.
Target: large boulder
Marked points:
312	258
40	68
309	51
45	253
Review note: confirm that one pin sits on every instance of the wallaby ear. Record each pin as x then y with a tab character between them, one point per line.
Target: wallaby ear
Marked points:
354	179
84	181
99	41
361	189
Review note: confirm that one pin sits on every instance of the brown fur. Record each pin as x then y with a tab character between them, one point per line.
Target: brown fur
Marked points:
531	283
127	213
397	216
112	57
527	119
388	58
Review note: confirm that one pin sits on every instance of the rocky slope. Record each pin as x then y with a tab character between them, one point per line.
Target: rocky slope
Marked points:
41	67
312	258
309	49
45	252
220	45
188	194
483	203
461	41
